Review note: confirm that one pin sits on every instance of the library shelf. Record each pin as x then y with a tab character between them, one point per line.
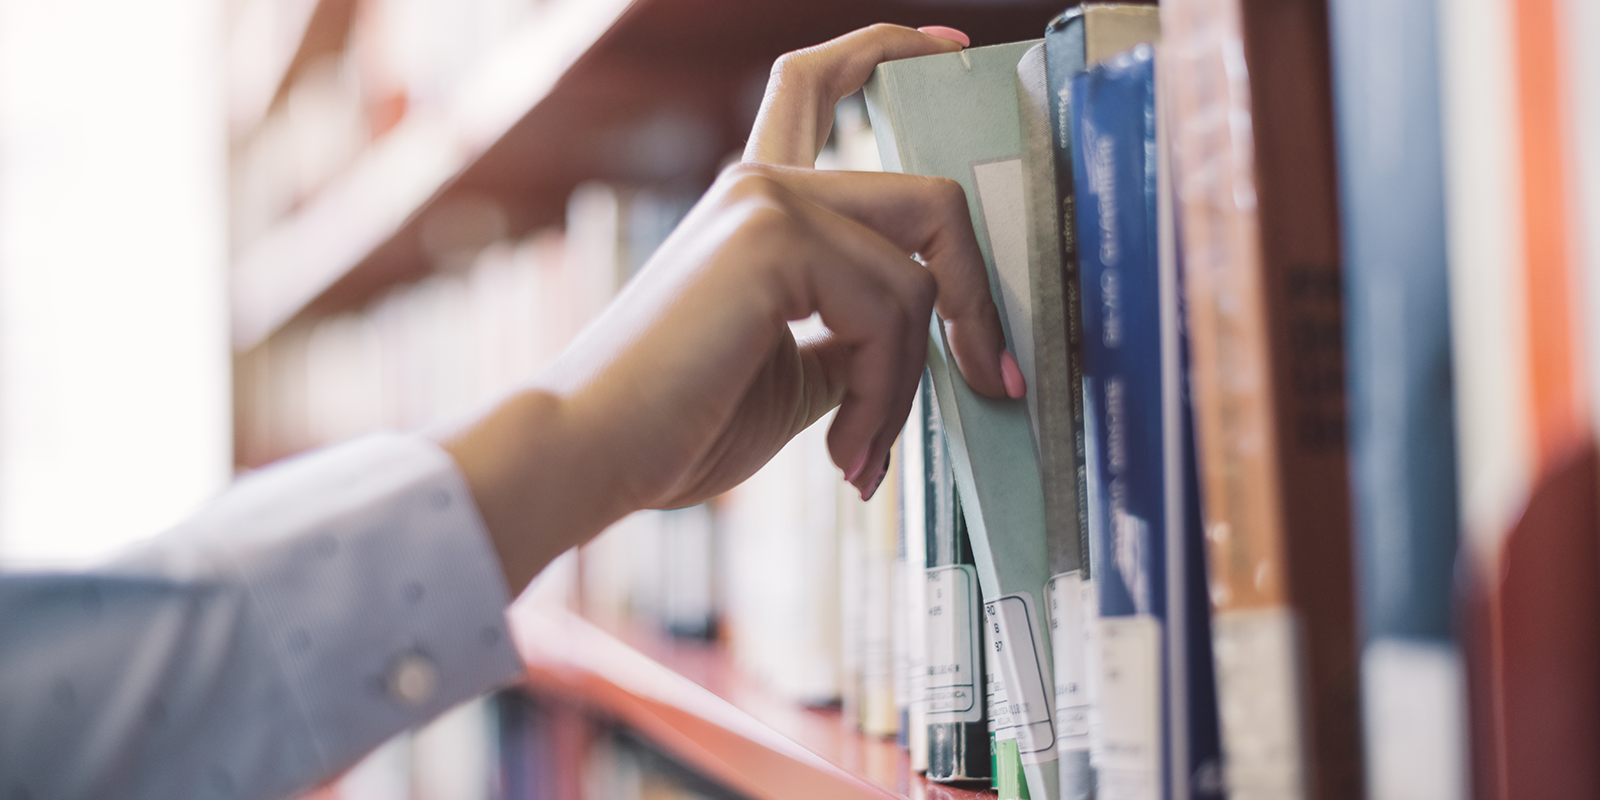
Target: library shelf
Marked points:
688	699
300	32
627	91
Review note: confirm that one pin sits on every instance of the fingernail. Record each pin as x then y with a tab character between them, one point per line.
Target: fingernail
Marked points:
867	494
942	32
1011	374
861	464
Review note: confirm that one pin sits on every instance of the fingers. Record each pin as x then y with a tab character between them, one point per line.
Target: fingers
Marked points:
875	301
797	110
929	217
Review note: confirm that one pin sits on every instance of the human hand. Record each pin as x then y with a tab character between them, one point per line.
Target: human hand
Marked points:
691	380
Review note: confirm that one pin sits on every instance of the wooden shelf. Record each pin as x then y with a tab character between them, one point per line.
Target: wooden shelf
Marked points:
688	699
648	91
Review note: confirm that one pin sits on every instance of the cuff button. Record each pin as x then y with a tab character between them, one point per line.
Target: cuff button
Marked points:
413	679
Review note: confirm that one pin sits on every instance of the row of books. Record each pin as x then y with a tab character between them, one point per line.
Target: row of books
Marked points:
1302	296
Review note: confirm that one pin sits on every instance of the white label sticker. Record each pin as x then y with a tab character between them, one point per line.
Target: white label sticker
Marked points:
1091	674
995	690
1130	704
1015	644
950	691
1258	693
1065	594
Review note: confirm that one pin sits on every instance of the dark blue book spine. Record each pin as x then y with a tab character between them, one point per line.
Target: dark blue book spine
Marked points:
1200	758
1400	386
1115	182
1397	313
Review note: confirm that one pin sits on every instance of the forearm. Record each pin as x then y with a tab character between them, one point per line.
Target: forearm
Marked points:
538	477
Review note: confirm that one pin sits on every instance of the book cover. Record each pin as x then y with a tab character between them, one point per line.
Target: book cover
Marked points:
1258	211
1401	393
1057	425
953	687
1157	711
1078	38
914	520
1525	434
912	104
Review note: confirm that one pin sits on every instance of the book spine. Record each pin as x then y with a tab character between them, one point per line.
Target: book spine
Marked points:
953	692
1194	736
1259	215
878	716
1113	114
991	443
913	531
1057	422
1401	389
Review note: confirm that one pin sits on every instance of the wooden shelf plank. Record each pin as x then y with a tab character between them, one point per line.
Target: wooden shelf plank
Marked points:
647	91
690	701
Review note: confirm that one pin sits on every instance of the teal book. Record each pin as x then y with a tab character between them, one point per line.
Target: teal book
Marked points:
953	686
955	116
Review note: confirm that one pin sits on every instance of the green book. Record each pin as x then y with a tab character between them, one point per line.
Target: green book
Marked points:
955	116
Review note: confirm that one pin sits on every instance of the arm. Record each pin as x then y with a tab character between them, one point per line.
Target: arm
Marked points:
690	380
327	603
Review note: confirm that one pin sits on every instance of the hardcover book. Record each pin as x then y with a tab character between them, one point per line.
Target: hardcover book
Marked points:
957	730
955	116
1401	392
1158	717
1078	38
1258	212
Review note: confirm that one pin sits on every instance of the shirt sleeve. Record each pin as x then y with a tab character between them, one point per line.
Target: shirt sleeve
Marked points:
312	611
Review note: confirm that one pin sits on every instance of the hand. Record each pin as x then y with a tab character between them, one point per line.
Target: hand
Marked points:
691	380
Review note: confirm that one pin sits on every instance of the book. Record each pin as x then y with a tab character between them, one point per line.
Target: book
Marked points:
1079	37
1054	404
1401	393
1259	218
915	516
953	689
1159	729
911	103
1530	606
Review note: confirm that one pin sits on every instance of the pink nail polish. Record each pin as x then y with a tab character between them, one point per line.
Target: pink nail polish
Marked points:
942	32
861	464
1011	375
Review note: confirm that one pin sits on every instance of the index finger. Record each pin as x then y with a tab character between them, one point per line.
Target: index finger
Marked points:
927	217
797	110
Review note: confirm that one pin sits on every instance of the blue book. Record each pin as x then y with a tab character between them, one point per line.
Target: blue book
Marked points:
1157	717
1400	387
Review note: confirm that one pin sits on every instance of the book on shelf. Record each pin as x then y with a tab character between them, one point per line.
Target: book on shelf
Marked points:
1401	393
1079	37
1514	99
996	469
1259	218
954	689
916	515
1157	711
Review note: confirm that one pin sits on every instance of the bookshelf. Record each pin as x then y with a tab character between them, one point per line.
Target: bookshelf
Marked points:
648	91
687	698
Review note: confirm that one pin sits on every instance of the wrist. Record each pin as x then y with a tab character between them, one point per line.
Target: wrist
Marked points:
539	489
